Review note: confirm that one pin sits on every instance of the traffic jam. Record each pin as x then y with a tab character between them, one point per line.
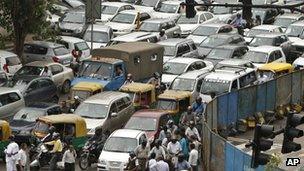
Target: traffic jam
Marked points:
128	91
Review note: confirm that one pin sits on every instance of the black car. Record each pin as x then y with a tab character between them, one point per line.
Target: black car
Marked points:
216	40
33	89
226	52
24	120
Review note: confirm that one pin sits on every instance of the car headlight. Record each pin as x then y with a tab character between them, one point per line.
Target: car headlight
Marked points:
78	30
102	162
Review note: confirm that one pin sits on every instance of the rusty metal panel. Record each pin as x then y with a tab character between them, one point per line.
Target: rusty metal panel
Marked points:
302	83
270	94
246	102
222	106
232	107
209	113
217	161
206	142
261	97
214	114
283	89
296	87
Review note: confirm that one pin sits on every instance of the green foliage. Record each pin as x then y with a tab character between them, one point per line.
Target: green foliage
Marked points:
274	162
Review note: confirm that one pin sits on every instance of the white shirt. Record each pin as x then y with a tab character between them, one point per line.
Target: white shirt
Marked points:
69	156
162	166
174	148
193	157
152	165
192	131
11	152
21	157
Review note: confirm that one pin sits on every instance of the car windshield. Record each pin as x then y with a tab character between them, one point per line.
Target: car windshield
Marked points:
92	110
184	20
163	104
260	41
212	42
142	123
221	10
215	86
261	13
284	22
183	84
219	54
28	114
41	127
98	37
124	18
204	31
168	8
266	75
81	94
74	17
120	144
254	32
169	51
59	51
148	3
150	27
109	10
174	68
81	46
95	69
256	57
29	70
294	31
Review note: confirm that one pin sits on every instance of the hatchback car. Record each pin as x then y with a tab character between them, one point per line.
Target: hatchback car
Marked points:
9	62
176	47
73	23
168	10
115	153
101	36
47	51
11	101
61	75
110	110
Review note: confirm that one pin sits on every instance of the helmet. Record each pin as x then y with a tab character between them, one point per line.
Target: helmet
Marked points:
56	135
52	129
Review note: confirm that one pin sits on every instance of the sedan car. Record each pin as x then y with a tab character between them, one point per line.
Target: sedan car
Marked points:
61	75
225	14
178	66
47	51
73	23
168	10
150	121
286	19
261	29
204	30
187	25
217	40
24	120
110	9
101	36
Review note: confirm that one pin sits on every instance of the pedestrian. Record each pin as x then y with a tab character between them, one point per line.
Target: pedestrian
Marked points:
171	126
142	155
162	165
152	162
182	164
188	116
173	148
64	107
131	166
163	133
184	143
129	79
69	158
22	158
56	151
162	35
158	149
258	20
194	140
193	157
198	106
11	154
166	140
191	130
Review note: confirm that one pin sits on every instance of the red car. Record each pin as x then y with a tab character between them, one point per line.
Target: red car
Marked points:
150	121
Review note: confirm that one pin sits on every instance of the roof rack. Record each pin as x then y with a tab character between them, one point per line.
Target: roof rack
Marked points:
240	69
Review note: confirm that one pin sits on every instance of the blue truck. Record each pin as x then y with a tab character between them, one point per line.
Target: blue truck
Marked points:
110	65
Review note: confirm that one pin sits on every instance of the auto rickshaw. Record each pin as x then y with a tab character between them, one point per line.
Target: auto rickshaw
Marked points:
273	70
65	124
175	102
5	133
142	95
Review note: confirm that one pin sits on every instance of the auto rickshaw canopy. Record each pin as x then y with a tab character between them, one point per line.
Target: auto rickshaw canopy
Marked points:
175	95
276	67
5	130
78	121
87	86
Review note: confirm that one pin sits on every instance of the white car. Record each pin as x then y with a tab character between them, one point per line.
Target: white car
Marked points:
226	14
126	21
261	29
187	25
265	54
295	31
299	62
110	9
73	43
115	153
178	66
9	62
286	19
168	9
134	37
101	36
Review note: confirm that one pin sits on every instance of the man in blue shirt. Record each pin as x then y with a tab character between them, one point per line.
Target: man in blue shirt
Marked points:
198	106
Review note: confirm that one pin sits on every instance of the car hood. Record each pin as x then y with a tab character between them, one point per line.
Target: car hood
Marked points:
299	61
203	51
76	80
298	42
167	58
96	45
143	8
105	17
164	15
21	125
214	61
197	39
223	17
114	156
168	78
187	27
93	123
294	39
70	26
119	26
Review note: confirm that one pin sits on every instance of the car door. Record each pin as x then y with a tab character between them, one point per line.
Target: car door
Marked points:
279	56
9	104
33	93
111	121
123	115
47	89
271	57
58	74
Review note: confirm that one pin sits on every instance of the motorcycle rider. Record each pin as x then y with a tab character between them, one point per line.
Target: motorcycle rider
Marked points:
98	138
239	23
49	136
56	151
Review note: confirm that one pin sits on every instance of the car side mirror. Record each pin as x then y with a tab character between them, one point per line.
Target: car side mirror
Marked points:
114	115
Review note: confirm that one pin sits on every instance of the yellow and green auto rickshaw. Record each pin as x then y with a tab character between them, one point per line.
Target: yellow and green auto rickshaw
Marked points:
5	133
65	124
142	95
273	70
175	102
85	89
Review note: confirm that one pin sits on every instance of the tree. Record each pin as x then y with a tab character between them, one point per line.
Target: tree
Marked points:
23	17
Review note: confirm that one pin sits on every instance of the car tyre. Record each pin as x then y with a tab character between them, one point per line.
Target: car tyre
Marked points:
55	99
66	86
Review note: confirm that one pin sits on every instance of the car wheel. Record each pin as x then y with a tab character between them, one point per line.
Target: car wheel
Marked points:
66	86
55	99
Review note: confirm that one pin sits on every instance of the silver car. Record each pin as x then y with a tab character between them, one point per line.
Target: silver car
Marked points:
11	101
47	51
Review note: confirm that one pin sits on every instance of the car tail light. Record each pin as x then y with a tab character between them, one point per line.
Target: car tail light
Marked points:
5	68
55	59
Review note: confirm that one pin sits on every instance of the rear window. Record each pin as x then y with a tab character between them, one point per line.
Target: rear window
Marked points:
81	46
60	51
8	98
33	49
14	60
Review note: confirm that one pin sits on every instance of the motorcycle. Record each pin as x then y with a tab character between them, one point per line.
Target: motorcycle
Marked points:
90	154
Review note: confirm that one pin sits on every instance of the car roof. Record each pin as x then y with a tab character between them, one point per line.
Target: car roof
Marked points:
184	60
115	4
157	20
265	27
270	35
106	97
41	63
234	61
265	48
228	73
98	27
174	41
193	74
134	36
45	44
229	46
131	12
127	133
8	90
172	2
290	15
214	24
4	53
71	39
224	35
149	113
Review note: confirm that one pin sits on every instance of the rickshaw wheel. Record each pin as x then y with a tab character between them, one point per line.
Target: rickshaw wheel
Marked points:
66	86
